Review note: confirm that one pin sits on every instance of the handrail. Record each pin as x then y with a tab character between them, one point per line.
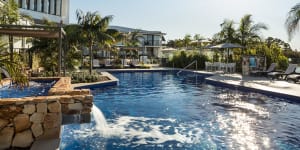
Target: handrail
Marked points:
195	61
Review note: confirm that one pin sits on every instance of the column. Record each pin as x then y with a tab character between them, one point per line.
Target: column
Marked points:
58	7
39	5
31	4
46	6
52	2
24	5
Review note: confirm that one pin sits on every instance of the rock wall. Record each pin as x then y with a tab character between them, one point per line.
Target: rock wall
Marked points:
25	120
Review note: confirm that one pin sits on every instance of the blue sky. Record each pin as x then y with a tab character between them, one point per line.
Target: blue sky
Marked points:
177	18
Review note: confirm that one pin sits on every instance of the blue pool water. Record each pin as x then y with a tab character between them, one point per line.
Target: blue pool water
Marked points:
34	89
163	111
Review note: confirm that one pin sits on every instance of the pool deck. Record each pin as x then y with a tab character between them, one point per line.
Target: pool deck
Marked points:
259	83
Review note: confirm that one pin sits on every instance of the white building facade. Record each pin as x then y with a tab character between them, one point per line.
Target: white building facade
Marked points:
53	10
150	43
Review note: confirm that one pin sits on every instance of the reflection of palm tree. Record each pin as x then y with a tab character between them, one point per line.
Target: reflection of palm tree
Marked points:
292	22
94	29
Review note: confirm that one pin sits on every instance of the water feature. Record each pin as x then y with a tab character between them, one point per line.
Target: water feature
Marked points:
101	124
163	111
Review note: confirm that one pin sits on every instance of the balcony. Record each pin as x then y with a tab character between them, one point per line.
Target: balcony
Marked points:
152	43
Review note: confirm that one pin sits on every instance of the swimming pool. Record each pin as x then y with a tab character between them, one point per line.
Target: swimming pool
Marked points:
160	110
34	89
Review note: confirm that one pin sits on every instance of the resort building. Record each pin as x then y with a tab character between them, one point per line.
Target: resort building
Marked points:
53	10
150	43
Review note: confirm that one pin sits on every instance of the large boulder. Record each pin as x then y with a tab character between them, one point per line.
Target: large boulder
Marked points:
37	117
52	120
54	107
41	107
6	136
3	123
29	109
23	139
21	122
37	129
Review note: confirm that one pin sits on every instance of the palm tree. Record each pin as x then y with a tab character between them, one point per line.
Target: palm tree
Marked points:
12	67
248	32
228	32
187	40
94	29
292	21
132	42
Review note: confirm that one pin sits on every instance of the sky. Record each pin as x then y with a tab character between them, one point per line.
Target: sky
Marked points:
177	18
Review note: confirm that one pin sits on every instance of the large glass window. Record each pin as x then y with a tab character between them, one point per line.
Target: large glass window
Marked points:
20	3
28	4
43	2
35	5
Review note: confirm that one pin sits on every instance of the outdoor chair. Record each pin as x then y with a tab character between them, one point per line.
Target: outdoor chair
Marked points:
96	63
107	63
294	77
231	67
264	73
208	66
277	75
216	66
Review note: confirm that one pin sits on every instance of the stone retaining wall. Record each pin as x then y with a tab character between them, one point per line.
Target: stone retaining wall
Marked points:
25	120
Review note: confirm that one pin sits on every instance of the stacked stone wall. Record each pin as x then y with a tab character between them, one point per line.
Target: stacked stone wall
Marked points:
25	120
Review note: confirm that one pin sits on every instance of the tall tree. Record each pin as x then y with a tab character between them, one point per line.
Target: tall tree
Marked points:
228	32
187	40
292	21
248	32
9	14
94	29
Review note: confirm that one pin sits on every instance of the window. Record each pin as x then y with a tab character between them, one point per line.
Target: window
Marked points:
43	2
35	5
20	3
28	4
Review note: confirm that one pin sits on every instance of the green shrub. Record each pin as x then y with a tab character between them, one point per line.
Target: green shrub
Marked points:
183	58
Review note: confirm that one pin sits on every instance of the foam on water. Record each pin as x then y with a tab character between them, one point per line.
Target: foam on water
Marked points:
142	130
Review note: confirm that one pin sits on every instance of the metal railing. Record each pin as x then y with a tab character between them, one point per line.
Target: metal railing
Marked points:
196	67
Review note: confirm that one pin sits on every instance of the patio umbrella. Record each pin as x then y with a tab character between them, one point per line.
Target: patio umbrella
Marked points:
226	46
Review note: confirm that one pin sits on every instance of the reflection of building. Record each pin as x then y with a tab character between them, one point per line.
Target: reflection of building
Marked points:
53	10
150	42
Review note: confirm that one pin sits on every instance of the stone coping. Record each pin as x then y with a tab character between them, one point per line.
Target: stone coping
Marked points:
5	82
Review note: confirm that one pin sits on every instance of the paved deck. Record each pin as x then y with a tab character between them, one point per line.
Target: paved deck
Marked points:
260	83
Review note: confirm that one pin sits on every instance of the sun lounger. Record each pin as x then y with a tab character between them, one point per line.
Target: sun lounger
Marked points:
294	77
276	75
264	73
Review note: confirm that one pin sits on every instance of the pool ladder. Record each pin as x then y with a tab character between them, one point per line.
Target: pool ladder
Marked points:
196	67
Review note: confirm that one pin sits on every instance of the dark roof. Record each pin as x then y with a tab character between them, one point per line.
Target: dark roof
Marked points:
127	30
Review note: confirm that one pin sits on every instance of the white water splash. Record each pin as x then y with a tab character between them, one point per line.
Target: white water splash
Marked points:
142	130
101	124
